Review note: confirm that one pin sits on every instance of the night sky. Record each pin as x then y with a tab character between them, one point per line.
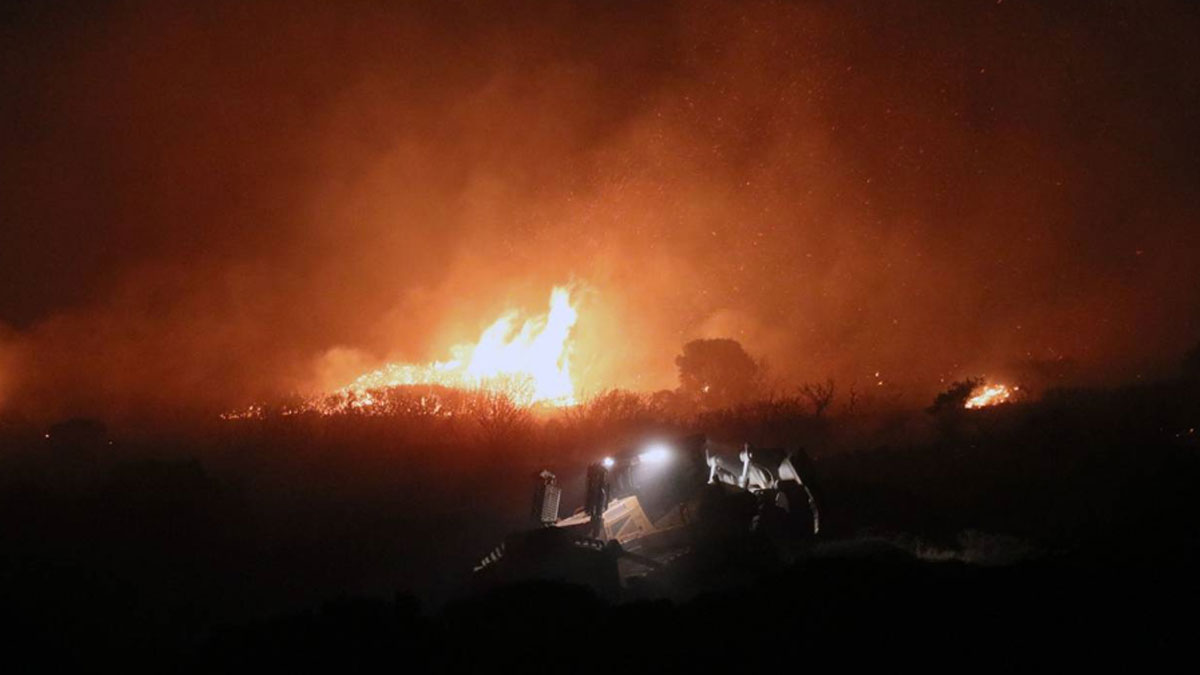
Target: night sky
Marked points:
206	204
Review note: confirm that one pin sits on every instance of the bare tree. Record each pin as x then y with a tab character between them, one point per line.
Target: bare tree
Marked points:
500	418
851	400
609	410
819	395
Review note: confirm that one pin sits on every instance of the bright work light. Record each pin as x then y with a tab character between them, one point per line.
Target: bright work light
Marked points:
655	453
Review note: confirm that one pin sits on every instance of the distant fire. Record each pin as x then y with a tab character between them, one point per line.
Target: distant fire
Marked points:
990	394
530	364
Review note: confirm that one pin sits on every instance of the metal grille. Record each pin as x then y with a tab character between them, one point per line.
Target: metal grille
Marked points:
550	499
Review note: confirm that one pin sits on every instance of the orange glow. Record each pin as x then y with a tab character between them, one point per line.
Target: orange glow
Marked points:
531	364
990	394
250	412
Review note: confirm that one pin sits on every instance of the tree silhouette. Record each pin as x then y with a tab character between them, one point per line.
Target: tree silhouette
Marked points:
955	397
717	373
819	395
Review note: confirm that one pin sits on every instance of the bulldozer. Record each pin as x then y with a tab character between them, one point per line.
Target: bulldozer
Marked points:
665	516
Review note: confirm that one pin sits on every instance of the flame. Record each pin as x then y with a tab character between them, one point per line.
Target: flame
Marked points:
530	364
990	394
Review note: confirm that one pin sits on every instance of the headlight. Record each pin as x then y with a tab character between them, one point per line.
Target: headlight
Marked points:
655	453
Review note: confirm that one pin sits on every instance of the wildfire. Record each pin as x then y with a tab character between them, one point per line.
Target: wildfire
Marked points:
990	394
530	364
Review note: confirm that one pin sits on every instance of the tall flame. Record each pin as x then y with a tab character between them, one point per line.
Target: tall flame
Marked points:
531	363
539	351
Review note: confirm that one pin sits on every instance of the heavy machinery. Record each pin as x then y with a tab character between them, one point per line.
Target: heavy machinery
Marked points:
662	514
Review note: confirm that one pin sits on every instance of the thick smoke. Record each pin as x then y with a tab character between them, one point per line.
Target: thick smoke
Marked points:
213	203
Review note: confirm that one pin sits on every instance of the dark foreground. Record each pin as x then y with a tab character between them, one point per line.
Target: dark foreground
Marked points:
867	604
874	609
1057	532
852	602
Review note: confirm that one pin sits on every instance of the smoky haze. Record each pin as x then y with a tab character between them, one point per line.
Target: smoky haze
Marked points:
204	205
